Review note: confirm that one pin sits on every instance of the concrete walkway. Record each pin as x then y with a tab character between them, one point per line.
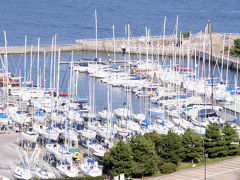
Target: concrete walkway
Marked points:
225	170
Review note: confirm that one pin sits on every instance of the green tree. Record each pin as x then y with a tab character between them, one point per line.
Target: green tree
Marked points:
236	49
172	149
156	139
144	155
192	146
230	136
119	160
214	143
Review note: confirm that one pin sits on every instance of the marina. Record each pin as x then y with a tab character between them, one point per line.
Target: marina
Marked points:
69	134
79	109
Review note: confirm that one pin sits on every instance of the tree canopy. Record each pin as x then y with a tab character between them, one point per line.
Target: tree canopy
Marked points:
144	155
119	159
172	149
214	143
192	146
230	136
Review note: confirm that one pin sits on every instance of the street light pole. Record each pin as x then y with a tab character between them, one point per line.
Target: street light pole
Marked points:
205	167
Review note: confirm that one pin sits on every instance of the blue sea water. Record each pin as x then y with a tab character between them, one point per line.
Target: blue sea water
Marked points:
74	19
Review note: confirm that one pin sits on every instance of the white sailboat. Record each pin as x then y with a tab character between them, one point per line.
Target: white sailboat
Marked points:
67	170
90	168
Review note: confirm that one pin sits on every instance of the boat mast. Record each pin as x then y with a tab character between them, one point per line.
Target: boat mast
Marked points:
44	70
58	77
177	29
38	78
114	45
54	61
6	68
25	59
51	65
227	63
96	32
164	31
210	58
31	59
222	58
146	44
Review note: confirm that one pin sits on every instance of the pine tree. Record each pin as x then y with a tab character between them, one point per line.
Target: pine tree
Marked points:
230	136
172	149
156	139
192	146
214	143
144	155
119	160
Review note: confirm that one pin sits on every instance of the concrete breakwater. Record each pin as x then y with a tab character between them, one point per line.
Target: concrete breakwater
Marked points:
173	45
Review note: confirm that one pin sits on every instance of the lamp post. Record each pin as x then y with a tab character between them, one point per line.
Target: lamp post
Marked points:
205	166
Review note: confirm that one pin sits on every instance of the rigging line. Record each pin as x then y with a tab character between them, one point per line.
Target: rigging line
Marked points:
47	58
3	66
18	63
13	62
31	65
65	74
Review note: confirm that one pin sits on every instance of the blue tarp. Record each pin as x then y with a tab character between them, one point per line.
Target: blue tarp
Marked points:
3	115
118	71
160	114
135	78
19	112
146	123
66	162
233	121
91	142
22	165
90	161
110	67
162	123
38	114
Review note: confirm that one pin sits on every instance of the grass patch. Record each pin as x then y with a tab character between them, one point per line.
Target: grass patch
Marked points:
157	174
188	165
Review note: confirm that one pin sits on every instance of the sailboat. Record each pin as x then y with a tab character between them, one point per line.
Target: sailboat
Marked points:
21	172
67	170
90	168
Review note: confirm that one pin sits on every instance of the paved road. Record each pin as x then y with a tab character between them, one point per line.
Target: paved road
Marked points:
225	170
8	154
